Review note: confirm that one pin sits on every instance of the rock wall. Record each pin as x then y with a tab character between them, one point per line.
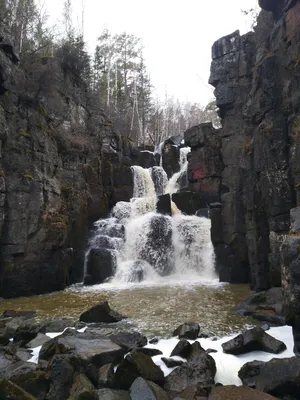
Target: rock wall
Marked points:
55	180
257	86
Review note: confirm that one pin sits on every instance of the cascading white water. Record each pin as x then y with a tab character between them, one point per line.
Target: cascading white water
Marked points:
174	183
151	246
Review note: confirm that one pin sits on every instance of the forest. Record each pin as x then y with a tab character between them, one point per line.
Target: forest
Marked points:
114	78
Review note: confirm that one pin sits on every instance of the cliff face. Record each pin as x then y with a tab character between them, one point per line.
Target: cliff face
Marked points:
62	166
257	86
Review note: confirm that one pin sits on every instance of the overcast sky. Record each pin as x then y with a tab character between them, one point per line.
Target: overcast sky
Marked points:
177	35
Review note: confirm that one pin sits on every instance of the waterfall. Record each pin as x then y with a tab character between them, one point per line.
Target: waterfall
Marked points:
151	247
174	183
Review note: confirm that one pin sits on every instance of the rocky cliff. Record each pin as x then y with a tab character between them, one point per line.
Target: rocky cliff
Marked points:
257	86
62	166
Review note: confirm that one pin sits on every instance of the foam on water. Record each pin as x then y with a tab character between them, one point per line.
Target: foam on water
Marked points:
174	183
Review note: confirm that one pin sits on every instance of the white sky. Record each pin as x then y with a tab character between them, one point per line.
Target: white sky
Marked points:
177	35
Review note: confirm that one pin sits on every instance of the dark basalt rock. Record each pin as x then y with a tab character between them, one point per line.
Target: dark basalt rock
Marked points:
200	372
182	349
25	333
101	265
101	313
137	365
189	202
82	388
142	389
149	352
147	159
196	351
171	362
188	330
61	374
58	325
129	340
18	314
163	205
170	158
249	372
255	339
106	376
11	391
88	348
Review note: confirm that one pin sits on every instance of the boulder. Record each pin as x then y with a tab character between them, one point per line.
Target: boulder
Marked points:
27	376
101	265
137	271
163	205
182	349
188	330
39	340
4	338
249	372
106	376
82	389
87	347
58	325
280	377
136	365
237	392
176	139
101	313
60	375
255	339
171	362
25	333
10	391
146	390
196	351
108	394
129	340
5	361
200	372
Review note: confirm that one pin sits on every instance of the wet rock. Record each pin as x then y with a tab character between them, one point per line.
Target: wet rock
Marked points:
108	394
101	313
4	338
88	348
142	389
189	202
280	377
195	352
154	340
61	373
137	271
237	392
82	389
170	159
208	351
149	352
23	354
265	306
193	393
160	180
39	340
249	372
136	365
129	340
30	378
101	265
59	325
106	376
176	139
157	252
5	361
171	362
10	391
163	205
255	339
188	330
200	372
182	349
26	333
146	159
